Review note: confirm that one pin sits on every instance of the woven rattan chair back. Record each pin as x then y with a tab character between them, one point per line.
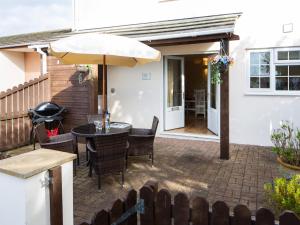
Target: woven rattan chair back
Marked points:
110	153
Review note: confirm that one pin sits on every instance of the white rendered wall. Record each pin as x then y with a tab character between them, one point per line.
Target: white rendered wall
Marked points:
252	117
12	69
136	100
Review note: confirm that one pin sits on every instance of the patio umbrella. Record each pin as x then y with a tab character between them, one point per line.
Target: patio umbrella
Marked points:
105	49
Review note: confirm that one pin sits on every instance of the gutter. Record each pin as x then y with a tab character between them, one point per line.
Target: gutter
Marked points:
38	49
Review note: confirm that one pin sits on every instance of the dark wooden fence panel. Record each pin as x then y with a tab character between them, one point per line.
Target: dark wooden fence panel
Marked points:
200	211
163	208
130	202
242	215
14	104
181	210
159	210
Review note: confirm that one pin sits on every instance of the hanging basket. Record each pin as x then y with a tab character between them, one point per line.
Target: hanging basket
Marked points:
220	64
222	67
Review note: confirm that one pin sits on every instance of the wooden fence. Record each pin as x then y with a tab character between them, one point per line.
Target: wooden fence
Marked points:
161	209
14	103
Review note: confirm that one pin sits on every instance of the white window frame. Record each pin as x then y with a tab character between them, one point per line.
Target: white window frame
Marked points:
287	63
273	62
276	50
259	90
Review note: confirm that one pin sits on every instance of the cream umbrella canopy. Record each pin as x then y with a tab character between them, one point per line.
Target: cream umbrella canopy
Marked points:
105	49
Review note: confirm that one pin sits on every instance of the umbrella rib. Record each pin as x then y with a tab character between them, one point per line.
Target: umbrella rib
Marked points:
65	55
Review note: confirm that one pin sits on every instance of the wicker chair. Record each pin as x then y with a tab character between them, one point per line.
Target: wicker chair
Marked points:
63	142
141	141
107	155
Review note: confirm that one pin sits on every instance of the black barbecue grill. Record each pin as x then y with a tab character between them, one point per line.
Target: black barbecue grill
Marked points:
45	112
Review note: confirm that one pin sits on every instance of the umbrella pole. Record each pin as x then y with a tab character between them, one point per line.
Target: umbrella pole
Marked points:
104	100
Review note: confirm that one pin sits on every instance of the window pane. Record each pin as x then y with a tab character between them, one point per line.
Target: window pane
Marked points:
264	82
265	57
282	71
254	58
295	70
254	82
295	83
254	70
282	55
281	83
264	70
294	55
174	83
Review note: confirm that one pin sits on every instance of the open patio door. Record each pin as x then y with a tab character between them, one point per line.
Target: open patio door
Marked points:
213	104
174	92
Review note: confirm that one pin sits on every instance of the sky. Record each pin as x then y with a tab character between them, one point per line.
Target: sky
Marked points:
25	16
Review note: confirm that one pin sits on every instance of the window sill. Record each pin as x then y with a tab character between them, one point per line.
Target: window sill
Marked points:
291	94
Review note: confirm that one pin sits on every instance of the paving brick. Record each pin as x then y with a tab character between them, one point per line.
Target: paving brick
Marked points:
186	166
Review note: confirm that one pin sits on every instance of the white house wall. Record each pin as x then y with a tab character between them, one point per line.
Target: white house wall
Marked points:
12	67
252	117
136	100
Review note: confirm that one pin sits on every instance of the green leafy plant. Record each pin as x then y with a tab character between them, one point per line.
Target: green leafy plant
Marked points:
286	142
284	194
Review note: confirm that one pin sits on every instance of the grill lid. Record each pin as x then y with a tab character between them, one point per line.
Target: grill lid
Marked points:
47	109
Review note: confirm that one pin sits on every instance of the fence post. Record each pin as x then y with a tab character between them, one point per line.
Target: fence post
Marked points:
220	213
181	212
163	208
147	194
200	211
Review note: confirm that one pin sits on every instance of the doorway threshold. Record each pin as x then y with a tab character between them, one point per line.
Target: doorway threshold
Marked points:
189	136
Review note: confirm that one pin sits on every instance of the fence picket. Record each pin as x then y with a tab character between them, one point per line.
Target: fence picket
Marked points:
200	211
159	212
14	104
181	209
147	194
101	218
163	208
264	217
116	211
289	218
242	215
130	201
220	213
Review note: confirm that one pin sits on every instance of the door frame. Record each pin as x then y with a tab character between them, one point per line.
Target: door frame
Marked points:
182	54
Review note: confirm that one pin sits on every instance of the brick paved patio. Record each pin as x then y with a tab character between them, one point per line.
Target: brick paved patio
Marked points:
186	166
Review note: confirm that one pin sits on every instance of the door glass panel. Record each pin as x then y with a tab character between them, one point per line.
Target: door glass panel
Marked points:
174	83
213	96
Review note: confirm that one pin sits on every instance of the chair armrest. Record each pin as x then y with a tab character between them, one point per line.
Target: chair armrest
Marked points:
149	136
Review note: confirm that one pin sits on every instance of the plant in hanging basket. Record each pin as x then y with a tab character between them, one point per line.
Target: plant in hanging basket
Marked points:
219	65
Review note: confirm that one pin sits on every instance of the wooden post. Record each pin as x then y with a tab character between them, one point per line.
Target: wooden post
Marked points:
104	96
224	142
55	189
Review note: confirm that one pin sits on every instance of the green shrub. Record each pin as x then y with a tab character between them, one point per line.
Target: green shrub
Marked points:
286	142
284	194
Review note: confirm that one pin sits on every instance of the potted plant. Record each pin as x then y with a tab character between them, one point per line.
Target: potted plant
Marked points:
283	194
286	142
219	65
